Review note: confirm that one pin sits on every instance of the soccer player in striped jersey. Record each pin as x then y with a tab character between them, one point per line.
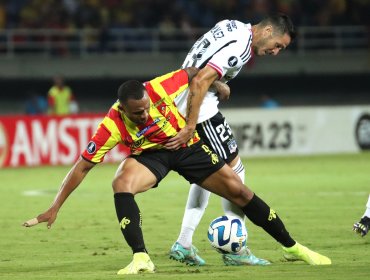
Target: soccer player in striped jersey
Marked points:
145	118
362	227
221	54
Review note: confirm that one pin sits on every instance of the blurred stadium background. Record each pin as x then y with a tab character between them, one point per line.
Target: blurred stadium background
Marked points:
98	44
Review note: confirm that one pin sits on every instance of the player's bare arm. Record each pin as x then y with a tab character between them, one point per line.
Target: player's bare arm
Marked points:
199	86
198	89
222	89
74	177
192	72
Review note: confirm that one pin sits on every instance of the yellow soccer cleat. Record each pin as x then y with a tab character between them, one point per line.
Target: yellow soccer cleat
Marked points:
141	263
300	252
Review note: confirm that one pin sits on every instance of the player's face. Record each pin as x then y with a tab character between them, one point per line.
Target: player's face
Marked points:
137	110
271	44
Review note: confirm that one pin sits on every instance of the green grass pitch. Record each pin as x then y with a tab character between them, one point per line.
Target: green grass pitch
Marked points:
317	197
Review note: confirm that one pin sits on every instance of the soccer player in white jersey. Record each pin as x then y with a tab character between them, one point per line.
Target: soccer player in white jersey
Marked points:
220	54
362	227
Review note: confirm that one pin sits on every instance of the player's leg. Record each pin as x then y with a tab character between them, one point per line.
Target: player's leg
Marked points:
133	177
362	227
244	257
230	208
217	134
225	183
183	250
195	206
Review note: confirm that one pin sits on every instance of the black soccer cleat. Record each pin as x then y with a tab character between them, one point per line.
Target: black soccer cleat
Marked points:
362	227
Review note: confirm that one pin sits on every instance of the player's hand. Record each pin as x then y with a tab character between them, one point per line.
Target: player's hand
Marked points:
182	137
360	229
49	216
223	90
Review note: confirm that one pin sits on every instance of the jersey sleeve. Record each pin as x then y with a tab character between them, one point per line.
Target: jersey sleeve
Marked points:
224	61
106	137
231	57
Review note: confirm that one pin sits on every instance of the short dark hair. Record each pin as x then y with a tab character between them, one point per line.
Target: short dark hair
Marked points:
130	90
282	24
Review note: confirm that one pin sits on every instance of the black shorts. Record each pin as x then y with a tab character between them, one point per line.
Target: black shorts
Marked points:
217	134
194	163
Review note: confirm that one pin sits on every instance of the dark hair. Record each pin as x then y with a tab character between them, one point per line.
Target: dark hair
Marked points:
130	90
282	24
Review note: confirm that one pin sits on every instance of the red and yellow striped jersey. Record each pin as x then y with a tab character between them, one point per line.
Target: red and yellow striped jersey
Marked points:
164	121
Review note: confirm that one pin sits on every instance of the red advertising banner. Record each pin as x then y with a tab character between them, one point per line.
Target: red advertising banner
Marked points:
45	140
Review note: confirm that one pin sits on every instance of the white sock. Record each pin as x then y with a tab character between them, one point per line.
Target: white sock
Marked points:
194	210
367	211
230	208
186	237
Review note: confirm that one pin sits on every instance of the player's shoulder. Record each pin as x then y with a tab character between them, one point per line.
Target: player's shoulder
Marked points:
233	25
167	76
236	31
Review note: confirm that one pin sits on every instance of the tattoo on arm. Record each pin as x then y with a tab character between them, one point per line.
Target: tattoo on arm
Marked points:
189	105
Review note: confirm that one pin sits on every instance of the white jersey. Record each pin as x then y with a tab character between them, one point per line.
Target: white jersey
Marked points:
225	48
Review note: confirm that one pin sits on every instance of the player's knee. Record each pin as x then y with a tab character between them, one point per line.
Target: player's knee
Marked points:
121	185
239	193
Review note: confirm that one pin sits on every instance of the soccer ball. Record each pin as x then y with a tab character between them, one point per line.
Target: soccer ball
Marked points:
228	235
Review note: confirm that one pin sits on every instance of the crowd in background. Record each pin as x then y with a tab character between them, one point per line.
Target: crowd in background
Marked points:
105	24
164	15
75	14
